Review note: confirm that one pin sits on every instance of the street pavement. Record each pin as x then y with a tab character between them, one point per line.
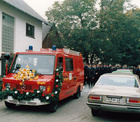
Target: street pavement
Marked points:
69	110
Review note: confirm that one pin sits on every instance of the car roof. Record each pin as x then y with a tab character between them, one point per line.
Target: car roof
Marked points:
121	74
126	70
129	71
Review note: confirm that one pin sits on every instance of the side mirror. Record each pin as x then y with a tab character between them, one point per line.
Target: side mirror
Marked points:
7	56
18	66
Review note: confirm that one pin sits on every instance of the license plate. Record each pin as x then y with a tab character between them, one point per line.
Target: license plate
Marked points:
115	100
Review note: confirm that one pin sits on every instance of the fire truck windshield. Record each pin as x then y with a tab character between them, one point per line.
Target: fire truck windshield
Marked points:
43	64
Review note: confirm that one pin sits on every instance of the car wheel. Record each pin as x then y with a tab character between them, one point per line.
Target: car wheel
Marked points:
53	107
95	112
9	105
77	94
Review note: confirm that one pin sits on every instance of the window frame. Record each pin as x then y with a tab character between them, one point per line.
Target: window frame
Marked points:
70	65
28	55
30	33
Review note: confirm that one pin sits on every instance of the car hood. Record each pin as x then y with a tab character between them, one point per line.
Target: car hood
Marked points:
115	90
41	78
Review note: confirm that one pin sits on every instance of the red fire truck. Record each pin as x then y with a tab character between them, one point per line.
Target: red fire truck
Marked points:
43	77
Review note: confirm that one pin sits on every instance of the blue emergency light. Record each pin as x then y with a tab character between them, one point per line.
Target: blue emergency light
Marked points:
30	47
54	47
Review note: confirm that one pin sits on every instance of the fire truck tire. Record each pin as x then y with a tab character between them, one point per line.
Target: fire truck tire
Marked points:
9	105
53	107
77	94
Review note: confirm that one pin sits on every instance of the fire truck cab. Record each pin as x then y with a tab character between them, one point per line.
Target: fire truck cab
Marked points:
39	85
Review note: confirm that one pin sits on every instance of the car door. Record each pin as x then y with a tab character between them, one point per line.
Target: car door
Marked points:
69	67
65	84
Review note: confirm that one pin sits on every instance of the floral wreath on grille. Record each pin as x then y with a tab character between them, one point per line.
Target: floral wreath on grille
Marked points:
21	95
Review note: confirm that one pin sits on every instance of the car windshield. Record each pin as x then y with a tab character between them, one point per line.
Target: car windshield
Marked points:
43	64
118	81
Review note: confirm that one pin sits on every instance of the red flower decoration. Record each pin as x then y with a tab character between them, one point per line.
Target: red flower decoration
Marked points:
43	94
11	89
56	86
57	73
52	95
21	92
32	91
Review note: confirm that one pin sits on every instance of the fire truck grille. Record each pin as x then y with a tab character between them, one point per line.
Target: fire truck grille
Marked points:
28	87
17	86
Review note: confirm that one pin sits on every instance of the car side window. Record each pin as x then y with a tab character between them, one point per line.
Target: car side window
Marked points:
136	84
60	62
69	64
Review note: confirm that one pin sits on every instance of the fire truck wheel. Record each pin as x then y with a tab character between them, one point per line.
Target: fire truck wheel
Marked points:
53	107
9	105
77	94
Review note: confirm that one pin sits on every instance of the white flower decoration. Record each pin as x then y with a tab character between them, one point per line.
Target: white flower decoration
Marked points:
57	80
56	92
47	97
38	91
27	93
16	92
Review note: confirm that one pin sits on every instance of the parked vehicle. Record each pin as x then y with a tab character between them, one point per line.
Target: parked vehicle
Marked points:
44	77
130	71
116	92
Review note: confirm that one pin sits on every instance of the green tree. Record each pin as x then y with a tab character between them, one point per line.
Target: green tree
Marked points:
111	34
119	34
76	21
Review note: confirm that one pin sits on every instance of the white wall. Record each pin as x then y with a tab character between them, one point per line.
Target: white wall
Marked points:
21	41
0	31
45	30
0	37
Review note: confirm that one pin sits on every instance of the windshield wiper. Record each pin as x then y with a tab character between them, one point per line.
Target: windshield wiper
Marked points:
39	73
14	70
18	66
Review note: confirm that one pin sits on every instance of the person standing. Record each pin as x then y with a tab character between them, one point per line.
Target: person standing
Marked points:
99	71
138	71
96	73
86	73
91	76
135	69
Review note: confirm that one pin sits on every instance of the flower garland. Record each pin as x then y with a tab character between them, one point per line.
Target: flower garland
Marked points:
21	95
26	74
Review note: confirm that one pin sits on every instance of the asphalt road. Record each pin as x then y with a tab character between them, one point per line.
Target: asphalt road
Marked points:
69	110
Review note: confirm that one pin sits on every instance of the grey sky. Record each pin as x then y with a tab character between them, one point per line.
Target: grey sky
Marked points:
40	6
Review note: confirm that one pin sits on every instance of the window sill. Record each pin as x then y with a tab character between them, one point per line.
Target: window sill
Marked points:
30	36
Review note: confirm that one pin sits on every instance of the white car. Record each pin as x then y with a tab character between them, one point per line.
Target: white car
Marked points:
130	71
118	92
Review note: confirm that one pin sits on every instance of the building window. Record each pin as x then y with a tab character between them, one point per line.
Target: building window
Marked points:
7	33
30	30
69	64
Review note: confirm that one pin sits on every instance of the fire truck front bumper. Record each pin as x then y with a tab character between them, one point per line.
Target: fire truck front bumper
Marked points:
34	102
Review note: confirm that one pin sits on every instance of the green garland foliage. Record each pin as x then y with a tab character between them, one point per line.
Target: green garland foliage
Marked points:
21	95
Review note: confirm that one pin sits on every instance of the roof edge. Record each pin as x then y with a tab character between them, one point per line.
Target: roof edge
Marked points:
43	20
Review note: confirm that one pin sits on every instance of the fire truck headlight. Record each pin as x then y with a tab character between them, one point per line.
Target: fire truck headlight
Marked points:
7	85
42	88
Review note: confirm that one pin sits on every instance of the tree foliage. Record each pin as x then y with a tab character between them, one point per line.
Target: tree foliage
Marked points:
110	35
75	21
120	34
